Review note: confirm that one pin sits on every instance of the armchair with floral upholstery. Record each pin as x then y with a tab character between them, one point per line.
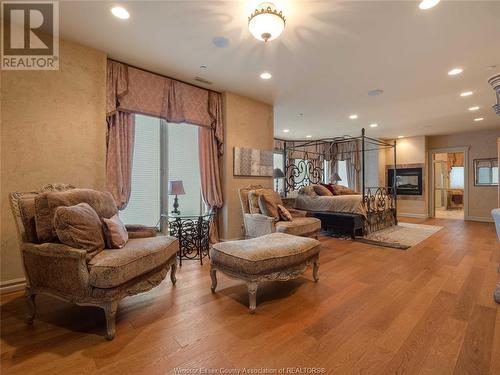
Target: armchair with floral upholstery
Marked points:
257	224
70	274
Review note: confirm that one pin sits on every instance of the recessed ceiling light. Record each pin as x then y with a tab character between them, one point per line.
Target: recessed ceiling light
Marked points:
300	114
475	108
203	67
401	136
479	119
120	12
466	93
220	41
266	75
308	136
428	4
353	117
286	130
374	125
455	71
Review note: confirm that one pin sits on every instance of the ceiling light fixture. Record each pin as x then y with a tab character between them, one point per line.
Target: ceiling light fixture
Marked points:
466	93
266	23
475	108
308	136
266	75
286	130
479	119
353	117
401	136
455	71
428	4
120	12
374	125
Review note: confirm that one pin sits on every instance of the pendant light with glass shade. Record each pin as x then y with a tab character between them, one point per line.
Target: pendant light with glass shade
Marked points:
266	23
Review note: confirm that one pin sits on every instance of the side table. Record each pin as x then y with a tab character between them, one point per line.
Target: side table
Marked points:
192	231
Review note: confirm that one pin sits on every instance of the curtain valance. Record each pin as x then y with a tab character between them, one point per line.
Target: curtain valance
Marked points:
134	90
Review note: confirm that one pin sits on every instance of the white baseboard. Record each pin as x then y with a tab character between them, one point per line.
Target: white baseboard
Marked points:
416	216
480	218
13	285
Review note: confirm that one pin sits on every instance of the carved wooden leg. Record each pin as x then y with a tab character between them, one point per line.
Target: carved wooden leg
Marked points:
252	295
30	300
110	311
316	269
213	275
173	270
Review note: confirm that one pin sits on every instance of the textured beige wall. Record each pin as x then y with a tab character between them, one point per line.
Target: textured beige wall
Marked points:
482	144
53	130
248	123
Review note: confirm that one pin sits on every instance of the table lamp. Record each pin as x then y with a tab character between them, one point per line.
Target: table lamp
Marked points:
335	178
176	188
277	173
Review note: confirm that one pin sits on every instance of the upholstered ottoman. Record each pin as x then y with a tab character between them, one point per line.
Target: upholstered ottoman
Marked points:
273	257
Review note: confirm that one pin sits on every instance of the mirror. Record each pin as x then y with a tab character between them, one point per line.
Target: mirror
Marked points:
486	172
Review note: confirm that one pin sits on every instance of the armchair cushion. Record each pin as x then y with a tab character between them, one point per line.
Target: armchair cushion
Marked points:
113	267
79	227
115	231
300	226
285	215
46	204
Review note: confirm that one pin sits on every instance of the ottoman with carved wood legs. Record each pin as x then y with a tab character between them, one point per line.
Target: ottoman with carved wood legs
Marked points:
273	257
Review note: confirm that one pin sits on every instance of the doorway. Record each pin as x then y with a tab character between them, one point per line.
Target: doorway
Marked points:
448	184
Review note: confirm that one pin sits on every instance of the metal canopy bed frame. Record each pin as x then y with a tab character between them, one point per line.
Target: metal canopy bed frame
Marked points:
380	202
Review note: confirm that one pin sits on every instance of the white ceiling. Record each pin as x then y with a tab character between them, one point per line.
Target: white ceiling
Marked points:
329	56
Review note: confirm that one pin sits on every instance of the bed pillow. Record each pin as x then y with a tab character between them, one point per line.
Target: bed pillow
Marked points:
329	187
284	213
343	190
308	191
268	206
115	232
79	226
322	191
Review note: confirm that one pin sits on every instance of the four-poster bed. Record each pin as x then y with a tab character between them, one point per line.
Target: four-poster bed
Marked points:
304	167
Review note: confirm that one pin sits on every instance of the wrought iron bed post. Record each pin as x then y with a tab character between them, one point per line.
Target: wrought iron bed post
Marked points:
394	186
285	168
363	161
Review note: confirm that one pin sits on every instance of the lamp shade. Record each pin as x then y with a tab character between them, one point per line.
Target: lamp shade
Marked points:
336	177
278	173
176	188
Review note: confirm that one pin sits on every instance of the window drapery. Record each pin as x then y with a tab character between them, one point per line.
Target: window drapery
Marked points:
131	90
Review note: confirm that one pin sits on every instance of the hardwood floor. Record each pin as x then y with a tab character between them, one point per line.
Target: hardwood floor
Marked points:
427	310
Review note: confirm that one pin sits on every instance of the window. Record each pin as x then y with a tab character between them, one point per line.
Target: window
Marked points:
162	152
486	172
457	178
341	170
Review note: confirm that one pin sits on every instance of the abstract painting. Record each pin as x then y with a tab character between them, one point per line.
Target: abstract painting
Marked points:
253	162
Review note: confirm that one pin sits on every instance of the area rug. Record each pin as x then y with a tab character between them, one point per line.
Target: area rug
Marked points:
401	236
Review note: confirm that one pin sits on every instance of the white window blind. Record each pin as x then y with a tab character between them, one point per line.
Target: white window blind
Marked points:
184	165
278	163
342	171
457	178
144	204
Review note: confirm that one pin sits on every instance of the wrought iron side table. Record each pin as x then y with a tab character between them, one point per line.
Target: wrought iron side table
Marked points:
192	231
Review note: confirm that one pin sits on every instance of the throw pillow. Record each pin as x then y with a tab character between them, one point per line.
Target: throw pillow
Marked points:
116	233
322	191
343	190
329	187
284	213
79	227
268	206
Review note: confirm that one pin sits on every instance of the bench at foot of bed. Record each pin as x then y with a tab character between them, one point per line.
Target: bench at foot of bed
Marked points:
340	222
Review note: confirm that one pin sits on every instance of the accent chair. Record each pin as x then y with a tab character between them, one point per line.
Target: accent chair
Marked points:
68	273
258	224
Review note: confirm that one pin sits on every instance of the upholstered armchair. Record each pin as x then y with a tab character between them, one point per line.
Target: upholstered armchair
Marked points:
67	273
258	224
